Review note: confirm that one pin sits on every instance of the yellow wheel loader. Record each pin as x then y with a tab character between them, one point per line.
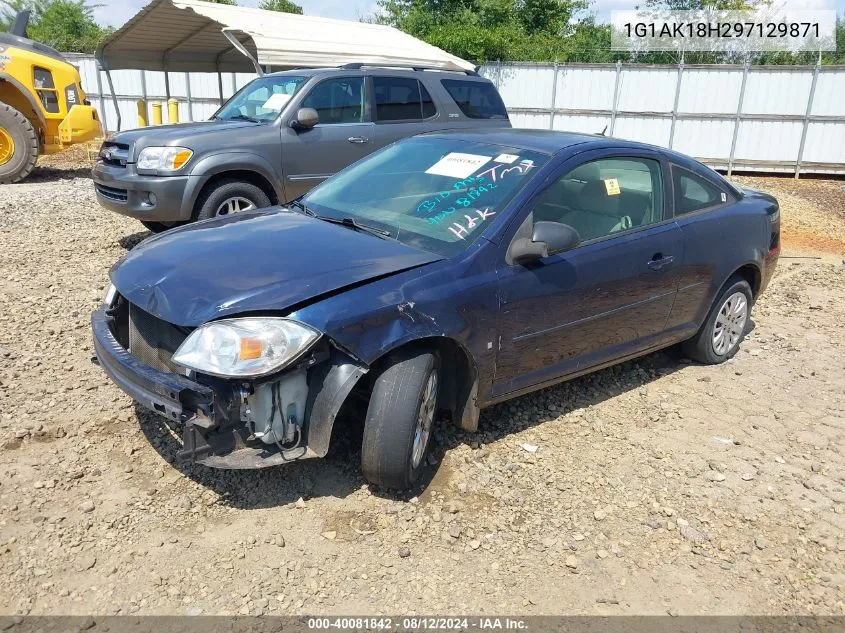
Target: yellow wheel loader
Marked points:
43	109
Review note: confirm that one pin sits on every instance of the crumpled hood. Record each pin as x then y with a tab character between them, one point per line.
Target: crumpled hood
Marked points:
180	134
257	261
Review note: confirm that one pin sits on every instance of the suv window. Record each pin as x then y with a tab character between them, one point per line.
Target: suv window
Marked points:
605	196
338	100
693	192
401	99
476	99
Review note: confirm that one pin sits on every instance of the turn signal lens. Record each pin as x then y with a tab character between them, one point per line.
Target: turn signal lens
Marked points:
181	158
251	348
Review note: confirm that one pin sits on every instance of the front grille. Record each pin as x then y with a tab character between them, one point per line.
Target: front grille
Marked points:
114	154
153	341
111	193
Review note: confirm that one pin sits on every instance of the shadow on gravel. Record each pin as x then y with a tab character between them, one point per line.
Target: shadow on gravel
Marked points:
53	174
128	242
339	474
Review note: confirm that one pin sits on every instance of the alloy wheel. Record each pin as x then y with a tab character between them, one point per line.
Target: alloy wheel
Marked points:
730	323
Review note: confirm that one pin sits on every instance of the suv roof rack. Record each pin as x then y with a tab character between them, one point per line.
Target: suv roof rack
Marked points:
359	66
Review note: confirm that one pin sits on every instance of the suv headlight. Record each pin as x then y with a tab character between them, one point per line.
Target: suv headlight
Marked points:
246	347
164	158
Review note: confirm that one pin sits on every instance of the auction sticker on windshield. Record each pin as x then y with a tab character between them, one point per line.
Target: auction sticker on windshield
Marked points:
458	165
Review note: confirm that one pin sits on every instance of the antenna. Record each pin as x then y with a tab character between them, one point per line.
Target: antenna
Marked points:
602	133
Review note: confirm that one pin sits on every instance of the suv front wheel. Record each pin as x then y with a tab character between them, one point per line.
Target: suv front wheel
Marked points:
230	196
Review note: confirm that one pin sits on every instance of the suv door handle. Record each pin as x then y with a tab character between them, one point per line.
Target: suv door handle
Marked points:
358	139
659	262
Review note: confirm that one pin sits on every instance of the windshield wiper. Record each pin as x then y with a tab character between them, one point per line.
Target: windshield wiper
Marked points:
301	205
352	223
240	117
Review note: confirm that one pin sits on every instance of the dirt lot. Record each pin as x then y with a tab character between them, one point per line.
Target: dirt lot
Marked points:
657	487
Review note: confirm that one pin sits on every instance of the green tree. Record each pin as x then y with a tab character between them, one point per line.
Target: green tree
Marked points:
484	30
284	6
230	2
66	25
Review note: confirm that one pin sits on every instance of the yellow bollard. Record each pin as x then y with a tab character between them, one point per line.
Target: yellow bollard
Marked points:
142	113
156	112
172	111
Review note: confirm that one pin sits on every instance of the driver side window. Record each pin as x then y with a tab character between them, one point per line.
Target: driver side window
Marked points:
339	100
605	196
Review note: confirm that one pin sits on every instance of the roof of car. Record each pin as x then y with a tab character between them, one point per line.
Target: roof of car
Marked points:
545	141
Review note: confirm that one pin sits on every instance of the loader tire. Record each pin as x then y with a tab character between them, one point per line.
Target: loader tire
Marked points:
18	145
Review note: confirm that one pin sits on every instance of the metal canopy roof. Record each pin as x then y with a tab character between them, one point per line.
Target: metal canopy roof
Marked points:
188	35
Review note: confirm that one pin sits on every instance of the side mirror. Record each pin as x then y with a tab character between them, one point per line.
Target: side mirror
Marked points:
306	118
549	238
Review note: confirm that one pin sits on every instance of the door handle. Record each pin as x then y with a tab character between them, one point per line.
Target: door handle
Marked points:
358	139
659	262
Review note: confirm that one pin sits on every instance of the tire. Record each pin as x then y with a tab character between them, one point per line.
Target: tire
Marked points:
158	227
18	145
402	393
710	347
229	189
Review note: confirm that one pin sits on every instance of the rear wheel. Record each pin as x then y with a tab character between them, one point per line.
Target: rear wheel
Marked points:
400	419
18	145
723	331
230	196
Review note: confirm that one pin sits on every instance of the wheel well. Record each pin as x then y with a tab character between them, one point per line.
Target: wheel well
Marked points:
251	177
458	377
16	98
751	274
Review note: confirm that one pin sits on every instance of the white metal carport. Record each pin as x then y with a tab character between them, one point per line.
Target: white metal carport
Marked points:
199	36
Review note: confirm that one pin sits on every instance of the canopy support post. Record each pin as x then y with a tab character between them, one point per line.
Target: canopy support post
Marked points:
229	34
113	97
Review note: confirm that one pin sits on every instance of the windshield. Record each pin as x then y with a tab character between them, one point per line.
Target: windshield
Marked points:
438	194
260	100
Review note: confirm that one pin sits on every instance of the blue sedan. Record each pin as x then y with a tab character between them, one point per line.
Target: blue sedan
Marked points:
439	276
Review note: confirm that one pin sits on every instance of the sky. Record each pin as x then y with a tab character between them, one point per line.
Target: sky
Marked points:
116	12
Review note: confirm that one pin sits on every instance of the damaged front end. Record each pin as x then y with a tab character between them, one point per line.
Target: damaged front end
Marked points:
232	423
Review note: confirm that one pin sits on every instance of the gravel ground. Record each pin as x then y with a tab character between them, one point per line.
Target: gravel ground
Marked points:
656	487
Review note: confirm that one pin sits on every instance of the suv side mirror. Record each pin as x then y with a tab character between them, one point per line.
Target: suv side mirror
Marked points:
306	118
548	238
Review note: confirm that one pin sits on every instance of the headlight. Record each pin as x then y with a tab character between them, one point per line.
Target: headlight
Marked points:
111	295
164	158
251	346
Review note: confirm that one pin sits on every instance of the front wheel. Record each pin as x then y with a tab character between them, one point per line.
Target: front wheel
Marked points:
230	196
400	419
723	331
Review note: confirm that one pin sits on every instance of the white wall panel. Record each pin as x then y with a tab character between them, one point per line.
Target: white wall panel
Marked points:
585	88
710	91
643	129
768	140
581	123
825	142
647	89
526	87
703	138
777	91
829	99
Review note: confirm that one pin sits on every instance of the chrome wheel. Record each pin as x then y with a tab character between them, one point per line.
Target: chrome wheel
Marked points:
425	419
730	324
235	205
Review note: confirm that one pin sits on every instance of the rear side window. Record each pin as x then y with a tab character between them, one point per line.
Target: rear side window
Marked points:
476	99
401	99
693	193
